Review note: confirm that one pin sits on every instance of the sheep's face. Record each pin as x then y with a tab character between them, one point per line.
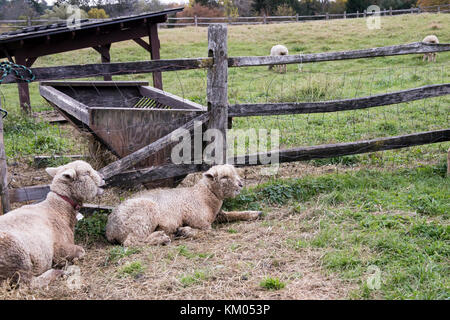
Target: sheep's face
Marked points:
224	181
77	180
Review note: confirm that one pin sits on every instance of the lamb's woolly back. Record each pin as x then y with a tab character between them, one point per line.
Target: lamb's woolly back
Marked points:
33	237
137	220
431	39
279	50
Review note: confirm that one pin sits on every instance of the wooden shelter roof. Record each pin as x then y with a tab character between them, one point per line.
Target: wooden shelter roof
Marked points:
33	36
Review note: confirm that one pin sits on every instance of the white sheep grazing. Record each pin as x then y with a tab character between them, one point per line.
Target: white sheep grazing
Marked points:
151	217
34	237
431	55
279	50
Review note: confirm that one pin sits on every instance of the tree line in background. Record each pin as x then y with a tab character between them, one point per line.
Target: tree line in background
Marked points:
100	9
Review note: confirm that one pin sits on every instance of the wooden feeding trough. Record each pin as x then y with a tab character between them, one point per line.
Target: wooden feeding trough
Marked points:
124	116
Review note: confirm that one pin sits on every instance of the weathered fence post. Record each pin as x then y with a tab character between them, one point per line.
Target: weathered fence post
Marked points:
296	17
357	13
4	194
28	21
365	13
265	19
217	87
390	11
196	21
326	16
448	162
345	14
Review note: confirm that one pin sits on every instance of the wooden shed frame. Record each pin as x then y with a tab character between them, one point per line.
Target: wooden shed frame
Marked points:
26	45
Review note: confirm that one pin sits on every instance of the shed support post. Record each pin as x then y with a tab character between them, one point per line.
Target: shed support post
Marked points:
24	90
4	193
154	53
217	90
105	54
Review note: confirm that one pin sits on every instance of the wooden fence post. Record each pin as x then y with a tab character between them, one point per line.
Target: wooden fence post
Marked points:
196	21
357	13
217	85
265	19
365	13
390	11
345	14
296	17
326	16
4	194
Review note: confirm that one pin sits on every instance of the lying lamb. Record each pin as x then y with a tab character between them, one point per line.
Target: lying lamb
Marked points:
279	50
34	237
150	217
431	55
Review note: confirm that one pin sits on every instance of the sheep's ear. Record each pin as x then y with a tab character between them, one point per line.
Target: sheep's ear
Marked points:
210	174
69	174
52	171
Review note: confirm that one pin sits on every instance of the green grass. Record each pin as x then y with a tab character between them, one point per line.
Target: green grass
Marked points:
272	284
396	221
132	269
191	279
117	253
92	228
317	81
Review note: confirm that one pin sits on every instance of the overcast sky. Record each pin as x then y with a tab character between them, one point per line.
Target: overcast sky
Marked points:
50	2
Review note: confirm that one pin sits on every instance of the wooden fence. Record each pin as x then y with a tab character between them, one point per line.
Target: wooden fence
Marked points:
7	25
220	112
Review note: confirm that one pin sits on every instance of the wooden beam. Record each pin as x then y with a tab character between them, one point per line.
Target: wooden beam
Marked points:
217	88
142	43
412	48
43	161
118	68
289	155
4	194
32	193
139	176
141	154
343	149
104	51
264	109
170	99
93	83
154	52
24	90
66	103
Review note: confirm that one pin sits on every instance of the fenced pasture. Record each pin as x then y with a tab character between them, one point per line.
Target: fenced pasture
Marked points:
320	232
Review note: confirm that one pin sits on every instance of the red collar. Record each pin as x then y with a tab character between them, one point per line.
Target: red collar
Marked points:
74	204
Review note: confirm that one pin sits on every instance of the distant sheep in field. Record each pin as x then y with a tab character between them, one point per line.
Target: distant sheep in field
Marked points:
35	237
431	56
152	216
279	50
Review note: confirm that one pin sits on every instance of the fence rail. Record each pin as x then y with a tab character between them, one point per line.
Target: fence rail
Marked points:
196	21
139	67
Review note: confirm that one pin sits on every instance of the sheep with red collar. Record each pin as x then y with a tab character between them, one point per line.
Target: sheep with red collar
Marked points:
35	237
